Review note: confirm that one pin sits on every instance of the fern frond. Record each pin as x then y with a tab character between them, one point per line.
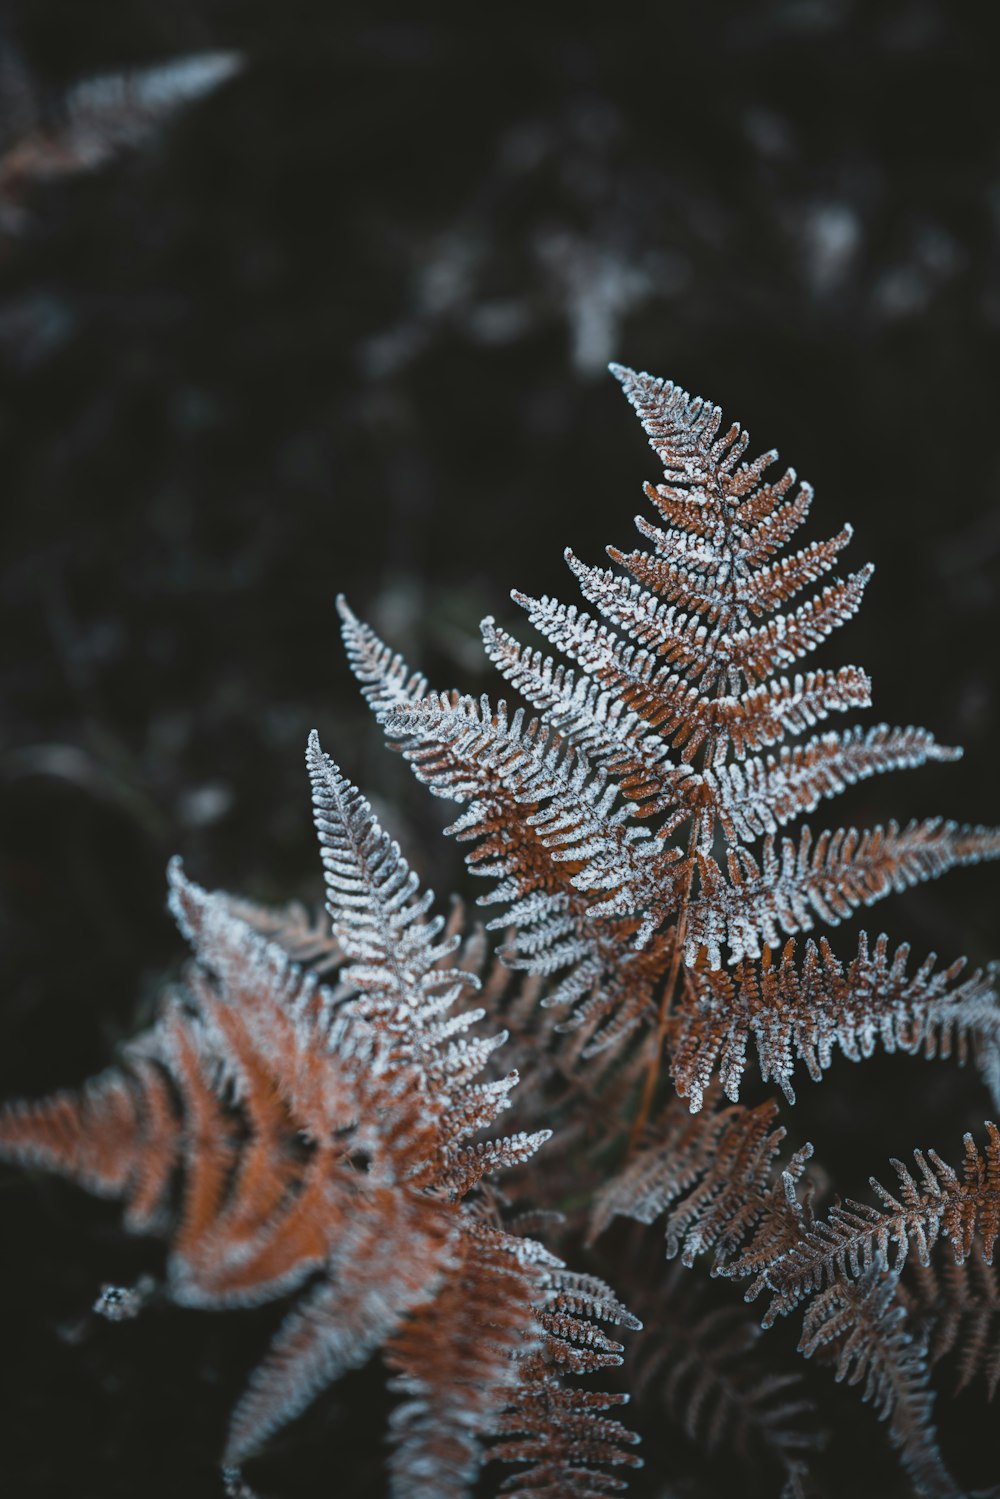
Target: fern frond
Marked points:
862	1324
587	715
960	1306
766	589
760	795
612	985
385	678
714	1177
742	655
471	752
766	714
667	703
827	877
333	1133
118	1137
762	591
794	1012
752	655
395	957
390	1253
455	1366
706	1365
937	1204
637	676
484	1359
652	737
560	1433
679	1150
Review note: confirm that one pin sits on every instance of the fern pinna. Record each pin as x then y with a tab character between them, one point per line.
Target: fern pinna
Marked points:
329	1133
631	817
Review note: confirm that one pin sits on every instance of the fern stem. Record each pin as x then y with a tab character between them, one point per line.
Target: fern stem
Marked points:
666	1000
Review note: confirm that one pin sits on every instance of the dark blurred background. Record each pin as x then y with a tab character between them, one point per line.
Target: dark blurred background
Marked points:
341	322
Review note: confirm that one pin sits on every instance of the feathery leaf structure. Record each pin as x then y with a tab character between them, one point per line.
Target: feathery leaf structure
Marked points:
938	1203
313	1114
799	1012
617	815
330	1134
863	1325
634	822
706	1364
960	1305
715	1177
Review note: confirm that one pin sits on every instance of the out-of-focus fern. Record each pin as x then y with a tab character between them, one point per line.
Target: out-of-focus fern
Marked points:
332	1135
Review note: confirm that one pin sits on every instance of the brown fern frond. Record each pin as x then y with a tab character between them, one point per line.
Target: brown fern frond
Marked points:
486	1355
588	716
768	525
582	1089
740	656
766	714
689	589
469	752
793	1011
678	1150
752	655
760	795
827	877
667	703
861	1323
714	1176
333	1133
390	1252
118	1137
612	985
313	1115
645	754
706	1365
959	1304
765	591
455	1365
561	1434
937	1204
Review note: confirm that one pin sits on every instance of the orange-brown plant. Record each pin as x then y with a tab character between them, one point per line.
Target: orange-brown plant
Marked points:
329	1137
322	1096
632	816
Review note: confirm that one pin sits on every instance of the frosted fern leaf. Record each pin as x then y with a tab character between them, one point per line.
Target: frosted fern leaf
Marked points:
331	1133
938	1203
862	1325
630	818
